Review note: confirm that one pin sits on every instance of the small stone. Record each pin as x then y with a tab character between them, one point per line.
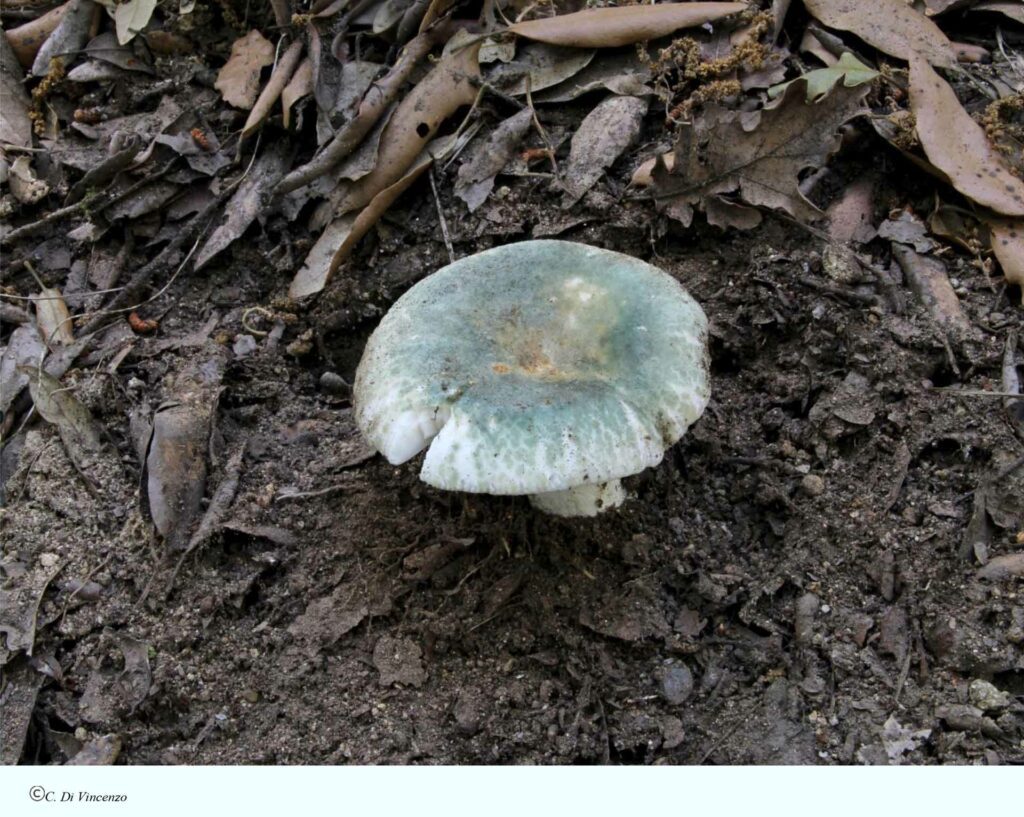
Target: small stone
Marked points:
986	697
813	485
677	684
244	346
250	695
672	732
334	384
467	715
48	559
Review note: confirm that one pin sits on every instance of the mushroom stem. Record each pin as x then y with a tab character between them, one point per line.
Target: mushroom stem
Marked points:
589	499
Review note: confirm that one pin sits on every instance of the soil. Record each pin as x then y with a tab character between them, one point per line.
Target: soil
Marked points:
798	582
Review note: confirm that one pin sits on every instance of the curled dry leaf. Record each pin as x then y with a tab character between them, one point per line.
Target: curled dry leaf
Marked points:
27	39
604	134
622	74
476	176
622	25
957	145
340	237
1013	9
448	87
1007	239
275	85
25	350
174	476
53	318
299	86
71	33
239	79
760	159
890	26
15	125
25	187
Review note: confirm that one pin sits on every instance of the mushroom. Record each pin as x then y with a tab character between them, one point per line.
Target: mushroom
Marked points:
545	368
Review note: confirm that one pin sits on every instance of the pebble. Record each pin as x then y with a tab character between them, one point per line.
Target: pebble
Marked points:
813	485
334	383
677	684
48	559
986	696
244	346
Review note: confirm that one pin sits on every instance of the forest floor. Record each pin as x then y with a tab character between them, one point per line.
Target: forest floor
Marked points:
825	570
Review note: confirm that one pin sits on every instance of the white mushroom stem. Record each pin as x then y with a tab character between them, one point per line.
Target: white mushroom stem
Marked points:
589	499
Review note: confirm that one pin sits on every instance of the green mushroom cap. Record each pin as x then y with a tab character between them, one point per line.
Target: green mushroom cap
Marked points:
535	367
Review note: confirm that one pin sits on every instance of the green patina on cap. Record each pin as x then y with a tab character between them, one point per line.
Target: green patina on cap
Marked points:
535	367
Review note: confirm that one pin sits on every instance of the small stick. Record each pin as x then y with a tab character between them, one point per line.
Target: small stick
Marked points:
440	216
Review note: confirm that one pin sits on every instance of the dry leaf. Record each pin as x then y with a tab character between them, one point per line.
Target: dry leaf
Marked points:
275	85
726	152
25	187
53	318
890	26
476	175
444	90
1015	11
300	85
622	74
603	135
25	350
239	79
1007	239
251	199
340	237
15	126
67	39
27	39
540	66
957	145
131	17
57	404
622	25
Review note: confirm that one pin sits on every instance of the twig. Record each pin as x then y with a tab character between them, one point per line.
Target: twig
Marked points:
282	12
441	218
89	204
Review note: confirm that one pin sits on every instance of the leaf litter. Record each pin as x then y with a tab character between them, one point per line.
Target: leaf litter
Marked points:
388	154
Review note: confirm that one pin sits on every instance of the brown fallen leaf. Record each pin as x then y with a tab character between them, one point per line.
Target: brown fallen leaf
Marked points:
239	79
957	145
1013	10
448	87
760	158
174	473
476	174
603	135
928	280
339	238
283	72
300	85
622	25
15	125
27	39
53	317
250	199
1007	239
375	102
67	38
81	434
890	26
